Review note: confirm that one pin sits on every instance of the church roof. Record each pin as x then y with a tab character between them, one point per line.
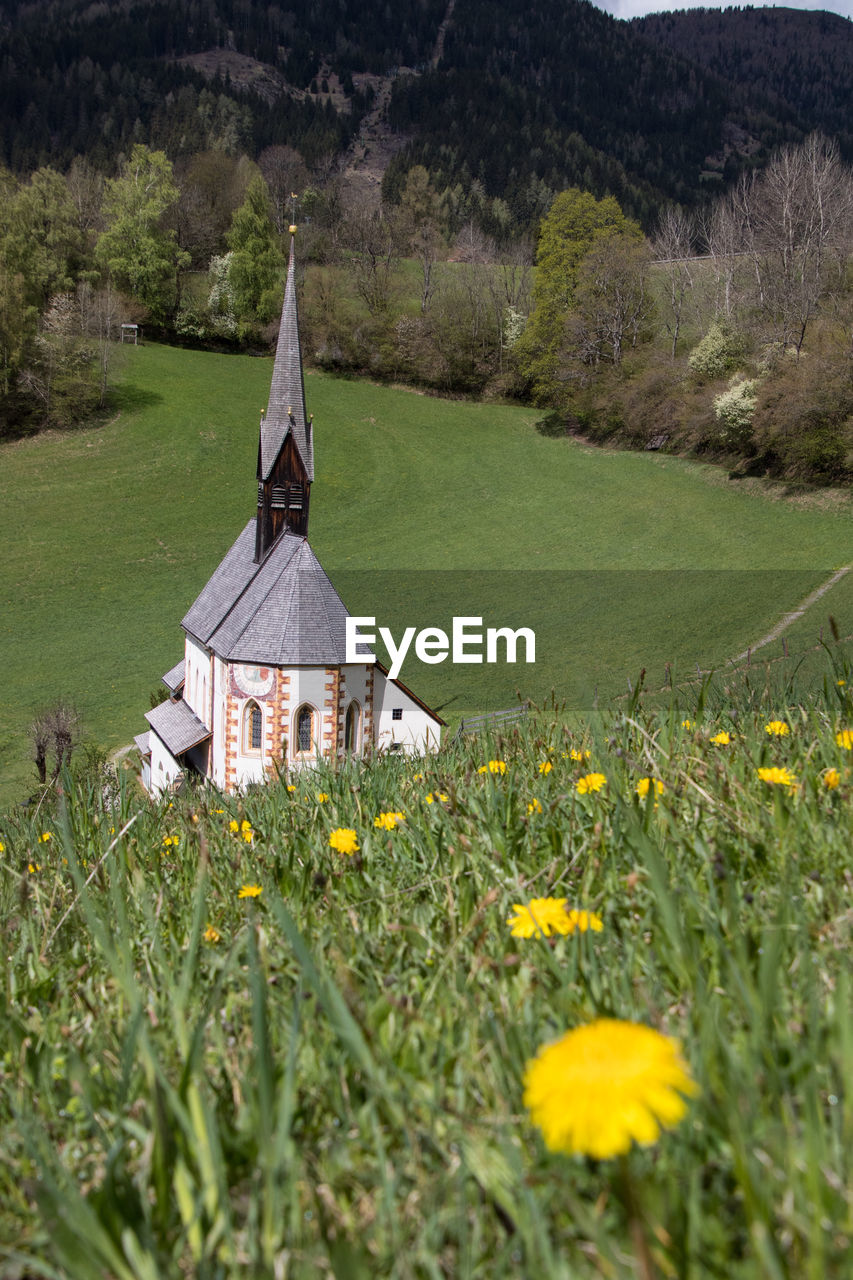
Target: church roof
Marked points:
174	678
286	411
281	612
178	726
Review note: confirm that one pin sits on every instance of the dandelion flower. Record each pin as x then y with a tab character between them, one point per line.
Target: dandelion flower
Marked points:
584	920
541	916
777	728
494	766
389	821
343	840
841	683
579	755
322	797
45	837
687	724
432	796
604	1085
33	867
777	777
246	831
844	738
590	782
417	777
534	806
545	767
831	779
642	787
233	826
170	842
291	786
2	847
721	739
211	935
250	891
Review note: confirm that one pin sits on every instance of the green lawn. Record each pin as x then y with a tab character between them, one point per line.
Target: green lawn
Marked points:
617	560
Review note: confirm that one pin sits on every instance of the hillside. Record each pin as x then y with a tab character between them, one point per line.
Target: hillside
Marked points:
522	108
618	561
802	62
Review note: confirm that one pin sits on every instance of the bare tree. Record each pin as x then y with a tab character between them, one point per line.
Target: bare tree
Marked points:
286	176
612	301
673	246
372	239
55	730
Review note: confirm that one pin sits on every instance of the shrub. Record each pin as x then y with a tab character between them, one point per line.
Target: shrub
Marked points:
734	408
717	353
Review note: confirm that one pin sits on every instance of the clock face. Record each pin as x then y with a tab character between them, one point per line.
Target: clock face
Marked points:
254	680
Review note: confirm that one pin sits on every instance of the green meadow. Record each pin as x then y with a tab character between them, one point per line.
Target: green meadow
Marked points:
422	509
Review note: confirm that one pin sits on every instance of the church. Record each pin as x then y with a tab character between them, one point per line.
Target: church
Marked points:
264	685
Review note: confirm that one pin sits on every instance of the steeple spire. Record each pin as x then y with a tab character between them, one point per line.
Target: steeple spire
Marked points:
286	445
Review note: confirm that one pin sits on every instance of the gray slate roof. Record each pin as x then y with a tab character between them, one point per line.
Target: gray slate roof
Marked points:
282	612
142	743
287	390
175	678
178	726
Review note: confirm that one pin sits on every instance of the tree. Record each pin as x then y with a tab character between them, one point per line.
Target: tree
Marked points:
140	253
574	222
419	223
673	246
372	237
256	263
286	175
612	302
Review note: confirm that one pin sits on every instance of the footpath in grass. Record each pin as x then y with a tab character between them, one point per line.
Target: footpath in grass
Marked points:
308	1031
617	560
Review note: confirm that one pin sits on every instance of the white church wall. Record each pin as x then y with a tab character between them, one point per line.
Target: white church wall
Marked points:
414	732
307	687
165	769
197	679
220	691
251	765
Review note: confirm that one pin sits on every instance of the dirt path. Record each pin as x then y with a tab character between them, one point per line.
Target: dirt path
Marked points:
784	623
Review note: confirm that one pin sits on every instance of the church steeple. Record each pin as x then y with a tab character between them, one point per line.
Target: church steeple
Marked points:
286	445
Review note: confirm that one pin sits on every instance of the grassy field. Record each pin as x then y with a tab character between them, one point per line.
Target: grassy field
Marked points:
617	560
231	1049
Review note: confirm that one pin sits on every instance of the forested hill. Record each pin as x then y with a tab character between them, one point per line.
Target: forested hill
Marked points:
521	100
801	62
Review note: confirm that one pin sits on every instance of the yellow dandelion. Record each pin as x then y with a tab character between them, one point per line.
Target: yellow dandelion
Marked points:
45	837
171	842
605	1085
844	738
642	787
590	782
777	728
218	810
344	840
211	935
417	777
831	779
246	831
721	739
322	797
2	847
389	821
841	683
534	806
584	920
494	766
541	916
233	825
777	777
545	767
579	755
291	786
33	867
250	891
432	796
687	724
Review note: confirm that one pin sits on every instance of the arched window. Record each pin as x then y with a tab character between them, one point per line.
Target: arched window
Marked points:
352	728
253	728
304	734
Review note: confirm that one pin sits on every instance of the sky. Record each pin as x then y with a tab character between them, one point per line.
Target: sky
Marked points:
636	8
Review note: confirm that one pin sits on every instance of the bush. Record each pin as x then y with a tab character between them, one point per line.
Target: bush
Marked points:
717	353
733	409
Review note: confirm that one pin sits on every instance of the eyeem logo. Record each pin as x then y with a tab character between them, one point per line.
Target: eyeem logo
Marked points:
432	645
